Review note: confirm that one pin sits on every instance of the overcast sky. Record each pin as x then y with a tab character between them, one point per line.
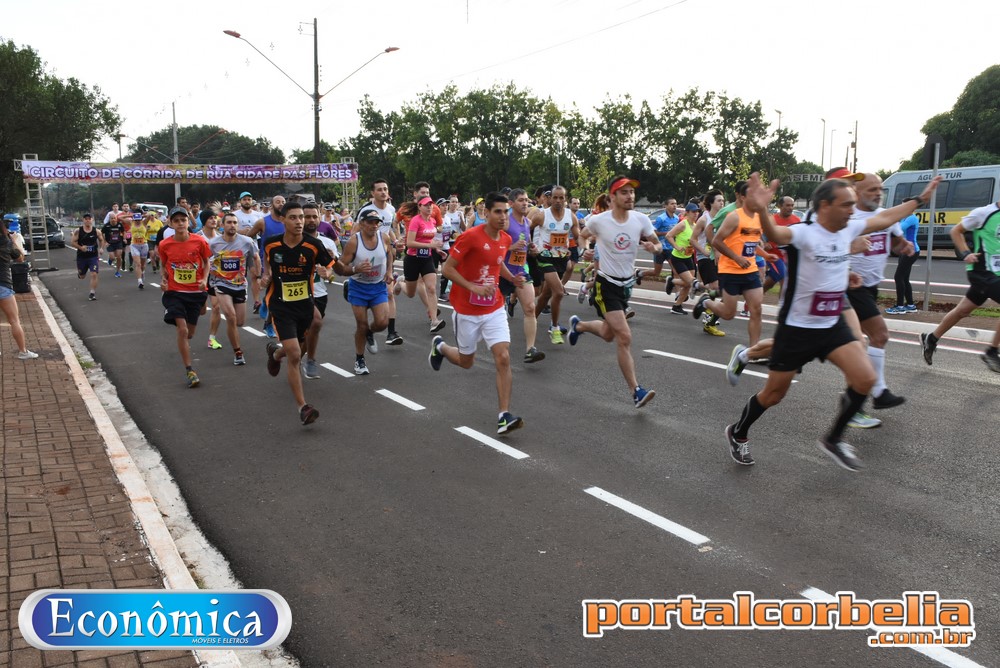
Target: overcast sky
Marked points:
887	64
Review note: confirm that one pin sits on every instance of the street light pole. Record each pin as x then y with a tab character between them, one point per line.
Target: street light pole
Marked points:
822	160
833	131
316	147
779	119
854	145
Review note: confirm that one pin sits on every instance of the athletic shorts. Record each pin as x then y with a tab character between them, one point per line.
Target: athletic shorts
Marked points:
574	254
139	250
414	267
85	264
863	301
983	285
115	246
549	265
320	303
663	257
760	261
491	328
5	292
438	260
291	322
534	271
239	296
367	294
610	297
776	270
737	284
707	270
794	347
152	244
507	288
681	264
182	306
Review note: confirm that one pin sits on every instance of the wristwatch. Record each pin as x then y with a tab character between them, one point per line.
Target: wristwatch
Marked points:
919	201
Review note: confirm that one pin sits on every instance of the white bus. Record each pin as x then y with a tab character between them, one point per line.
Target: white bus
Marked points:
963	189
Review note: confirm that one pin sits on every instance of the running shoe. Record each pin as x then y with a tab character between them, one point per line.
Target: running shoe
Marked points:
509	299
436	358
642	397
992	361
629	313
193	380
256	308
735	366
370	343
896	310
738	450
397	287
638	276
743	314
508	422
697	286
308	414
269	331
677	309
141	286
574	334
310	369
843	453
713	330
863	421
27	355
393	339
533	355
436	326
118	274
670	285
887	400
929	344
238	359
581	296
555	335
911	308
547	310
213	343
273	365
699	306
92	297
360	368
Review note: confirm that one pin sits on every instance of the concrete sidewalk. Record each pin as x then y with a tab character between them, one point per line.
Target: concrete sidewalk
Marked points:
77	513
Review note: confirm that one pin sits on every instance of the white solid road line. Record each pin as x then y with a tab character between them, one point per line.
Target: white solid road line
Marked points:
412	405
940	654
690	536
493	443
715	365
255	332
337	370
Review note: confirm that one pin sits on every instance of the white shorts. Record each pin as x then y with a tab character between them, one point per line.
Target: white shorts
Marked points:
139	250
491	328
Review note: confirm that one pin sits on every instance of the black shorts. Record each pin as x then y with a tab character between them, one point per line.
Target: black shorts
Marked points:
507	288
291	322
574	254
211	290
534	271
239	296
863	301
663	257
737	284
320	303
983	285
115	246
681	264
550	265
610	297
707	270
439	260
182	306
414	267
794	347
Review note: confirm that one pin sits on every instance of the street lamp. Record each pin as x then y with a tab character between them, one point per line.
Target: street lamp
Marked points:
779	119
822	160
315	95
833	131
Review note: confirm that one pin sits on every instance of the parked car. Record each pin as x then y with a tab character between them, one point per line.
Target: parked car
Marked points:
57	238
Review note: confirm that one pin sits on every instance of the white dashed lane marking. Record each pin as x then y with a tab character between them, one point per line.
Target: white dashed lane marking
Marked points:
659	521
336	369
492	442
412	405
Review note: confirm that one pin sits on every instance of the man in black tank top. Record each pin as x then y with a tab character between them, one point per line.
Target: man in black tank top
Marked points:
88	242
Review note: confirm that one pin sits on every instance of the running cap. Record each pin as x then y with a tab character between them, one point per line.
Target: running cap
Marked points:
87	215
371	216
479	201
844	173
425	200
177	210
328	207
691	207
621	182
246	193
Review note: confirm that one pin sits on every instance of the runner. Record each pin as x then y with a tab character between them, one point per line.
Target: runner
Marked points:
982	267
380	204
264	228
519	230
208	227
291	259
311	219
184	280
810	323
474	268
233	257
556	226
665	222
153	227
114	237
707	272
619	234
139	248
367	258
418	267
684	245
88	242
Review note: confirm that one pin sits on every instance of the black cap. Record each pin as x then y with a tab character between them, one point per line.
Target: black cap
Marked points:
177	209
87	215
370	215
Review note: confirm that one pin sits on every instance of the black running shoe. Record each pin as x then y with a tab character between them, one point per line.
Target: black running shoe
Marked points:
308	414
393	339
738	450
638	276
992	361
436	358
273	365
533	355
887	400
929	345
699	306
509	423
843	453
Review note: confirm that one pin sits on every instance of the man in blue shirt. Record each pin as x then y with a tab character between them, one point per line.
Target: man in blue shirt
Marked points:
663	224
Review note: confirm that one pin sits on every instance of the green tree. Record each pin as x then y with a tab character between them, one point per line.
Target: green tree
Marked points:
55	119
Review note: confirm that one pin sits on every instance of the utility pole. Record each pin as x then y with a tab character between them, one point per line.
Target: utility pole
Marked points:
854	145
177	153
822	159
316	108
120	135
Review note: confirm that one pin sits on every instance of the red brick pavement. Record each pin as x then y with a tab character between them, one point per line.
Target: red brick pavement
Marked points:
67	521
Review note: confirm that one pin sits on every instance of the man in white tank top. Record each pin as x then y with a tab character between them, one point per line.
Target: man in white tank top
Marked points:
380	204
555	229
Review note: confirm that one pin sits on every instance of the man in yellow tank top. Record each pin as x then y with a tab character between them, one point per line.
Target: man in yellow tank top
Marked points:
736	243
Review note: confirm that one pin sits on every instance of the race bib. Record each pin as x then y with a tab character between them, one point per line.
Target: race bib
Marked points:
518	258
749	248
89	249
877	244
446	236
295	291
826	303
230	264
993	262
423	252
559	239
185	276
478	300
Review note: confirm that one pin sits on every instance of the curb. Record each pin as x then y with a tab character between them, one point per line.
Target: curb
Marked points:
154	530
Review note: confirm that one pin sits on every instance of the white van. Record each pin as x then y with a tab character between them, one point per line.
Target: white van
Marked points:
963	189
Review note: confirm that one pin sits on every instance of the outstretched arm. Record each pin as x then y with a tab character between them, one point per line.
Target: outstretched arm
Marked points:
886	218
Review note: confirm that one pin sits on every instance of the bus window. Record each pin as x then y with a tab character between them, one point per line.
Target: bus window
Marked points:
904	190
972	193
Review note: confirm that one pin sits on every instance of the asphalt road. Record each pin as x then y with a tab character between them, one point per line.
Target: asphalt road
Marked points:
399	540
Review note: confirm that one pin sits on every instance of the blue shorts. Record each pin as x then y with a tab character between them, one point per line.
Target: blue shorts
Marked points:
86	264
737	284
776	270
367	294
5	292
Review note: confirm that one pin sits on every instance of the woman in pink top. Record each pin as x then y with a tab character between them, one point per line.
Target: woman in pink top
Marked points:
418	265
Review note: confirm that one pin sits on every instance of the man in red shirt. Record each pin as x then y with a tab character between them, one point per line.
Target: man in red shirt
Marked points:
184	281
776	270
474	268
